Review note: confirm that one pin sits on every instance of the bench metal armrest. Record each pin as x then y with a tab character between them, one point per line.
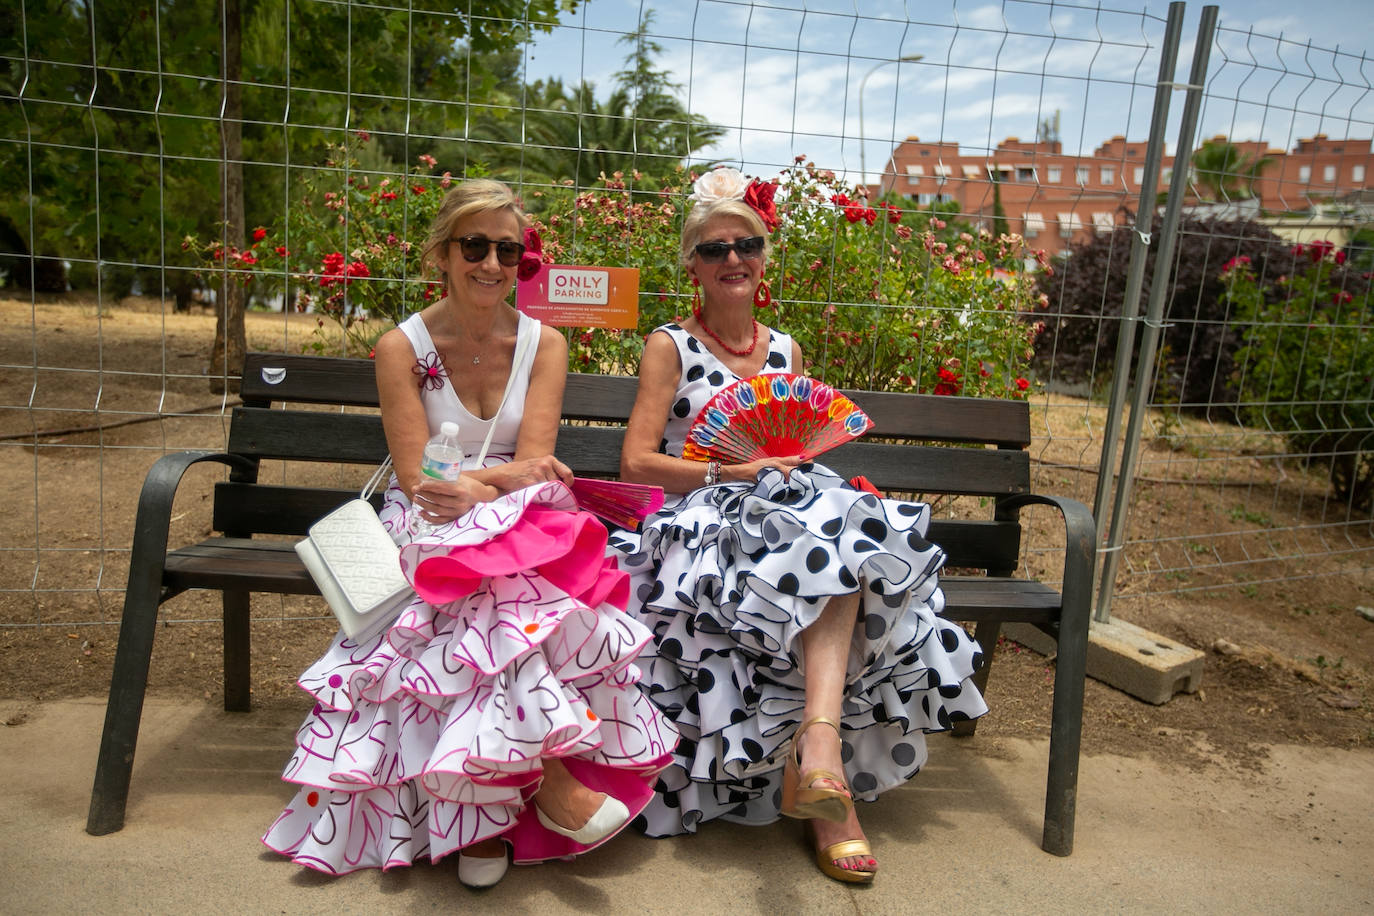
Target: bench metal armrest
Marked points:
154	518
1080	540
142	595
1071	662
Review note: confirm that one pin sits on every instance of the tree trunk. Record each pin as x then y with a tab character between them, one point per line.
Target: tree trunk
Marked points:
226	357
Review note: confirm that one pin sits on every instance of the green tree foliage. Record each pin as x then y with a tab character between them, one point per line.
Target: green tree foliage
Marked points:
1221	172
564	133
112	115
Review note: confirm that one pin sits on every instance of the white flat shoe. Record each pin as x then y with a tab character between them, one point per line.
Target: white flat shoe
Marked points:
610	817
475	871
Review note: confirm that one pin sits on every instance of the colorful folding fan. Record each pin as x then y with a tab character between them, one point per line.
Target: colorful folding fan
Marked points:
775	415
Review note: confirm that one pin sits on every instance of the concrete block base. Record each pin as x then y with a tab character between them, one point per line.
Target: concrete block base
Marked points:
1127	657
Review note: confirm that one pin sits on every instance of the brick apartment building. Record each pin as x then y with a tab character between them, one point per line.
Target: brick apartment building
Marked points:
1055	199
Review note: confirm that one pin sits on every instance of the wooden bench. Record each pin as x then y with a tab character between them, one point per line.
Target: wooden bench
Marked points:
259	522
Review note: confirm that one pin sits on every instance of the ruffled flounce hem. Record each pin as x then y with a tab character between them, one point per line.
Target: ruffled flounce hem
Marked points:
430	736
727	581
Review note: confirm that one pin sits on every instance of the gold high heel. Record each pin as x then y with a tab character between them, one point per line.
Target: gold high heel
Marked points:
801	797
825	859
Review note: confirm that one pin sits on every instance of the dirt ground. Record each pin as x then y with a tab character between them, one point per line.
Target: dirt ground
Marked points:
1288	660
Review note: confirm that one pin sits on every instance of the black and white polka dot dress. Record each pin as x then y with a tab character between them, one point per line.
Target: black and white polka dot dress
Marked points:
728	577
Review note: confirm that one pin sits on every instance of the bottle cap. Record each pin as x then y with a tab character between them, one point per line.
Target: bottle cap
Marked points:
448	428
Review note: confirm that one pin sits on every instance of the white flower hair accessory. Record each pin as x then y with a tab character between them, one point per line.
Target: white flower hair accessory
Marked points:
721	183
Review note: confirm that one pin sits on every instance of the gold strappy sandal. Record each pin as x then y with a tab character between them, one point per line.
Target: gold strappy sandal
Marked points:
825	860
801	797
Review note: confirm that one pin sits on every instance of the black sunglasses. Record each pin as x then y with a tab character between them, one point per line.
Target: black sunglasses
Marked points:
749	249
475	248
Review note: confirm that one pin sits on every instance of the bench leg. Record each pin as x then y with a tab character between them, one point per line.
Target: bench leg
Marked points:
986	634
237	654
128	683
1066	733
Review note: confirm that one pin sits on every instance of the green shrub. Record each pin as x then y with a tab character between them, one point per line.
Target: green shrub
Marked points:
1306	367
877	297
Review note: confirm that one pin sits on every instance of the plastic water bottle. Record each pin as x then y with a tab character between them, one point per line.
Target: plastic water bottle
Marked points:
442	459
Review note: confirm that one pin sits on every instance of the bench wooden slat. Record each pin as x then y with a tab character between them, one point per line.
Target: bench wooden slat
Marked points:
276	510
308	380
977	543
931	469
239	564
302	435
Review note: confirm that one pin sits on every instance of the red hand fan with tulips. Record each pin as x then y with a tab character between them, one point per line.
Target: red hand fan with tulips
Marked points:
775	415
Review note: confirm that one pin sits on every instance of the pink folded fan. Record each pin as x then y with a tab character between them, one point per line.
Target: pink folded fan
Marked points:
623	504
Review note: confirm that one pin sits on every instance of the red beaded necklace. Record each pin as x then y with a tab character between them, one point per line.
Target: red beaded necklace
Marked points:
696	313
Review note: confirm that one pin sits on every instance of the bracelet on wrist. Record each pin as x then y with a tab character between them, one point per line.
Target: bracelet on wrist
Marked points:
712	473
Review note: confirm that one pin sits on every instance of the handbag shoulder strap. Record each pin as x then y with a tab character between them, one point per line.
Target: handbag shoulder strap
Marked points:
377	477
521	345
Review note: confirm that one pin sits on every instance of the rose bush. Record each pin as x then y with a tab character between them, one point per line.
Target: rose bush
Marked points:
350	247
877	296
1307	361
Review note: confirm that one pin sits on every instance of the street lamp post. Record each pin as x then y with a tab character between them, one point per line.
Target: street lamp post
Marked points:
905	59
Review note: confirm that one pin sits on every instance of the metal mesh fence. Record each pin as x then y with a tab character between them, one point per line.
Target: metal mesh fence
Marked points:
118	120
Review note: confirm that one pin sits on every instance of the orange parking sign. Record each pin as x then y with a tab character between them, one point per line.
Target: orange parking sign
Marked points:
576	296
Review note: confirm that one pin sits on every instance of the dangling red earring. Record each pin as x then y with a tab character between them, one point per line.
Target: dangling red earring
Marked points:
763	296
696	295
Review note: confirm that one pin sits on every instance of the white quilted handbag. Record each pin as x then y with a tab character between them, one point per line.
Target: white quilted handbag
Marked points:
357	565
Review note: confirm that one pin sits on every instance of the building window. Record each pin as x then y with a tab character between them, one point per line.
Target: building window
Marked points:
1304	173
1103	222
914	173
926	200
925	152
1357	174
1329	174
970	172
1139	175
1068	224
943	171
1025	173
1035	224
1107	173
1054	174
1080	175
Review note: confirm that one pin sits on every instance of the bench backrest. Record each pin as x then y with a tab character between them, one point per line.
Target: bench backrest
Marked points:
895	455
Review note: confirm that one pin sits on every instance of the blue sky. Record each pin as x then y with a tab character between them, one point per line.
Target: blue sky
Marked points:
784	76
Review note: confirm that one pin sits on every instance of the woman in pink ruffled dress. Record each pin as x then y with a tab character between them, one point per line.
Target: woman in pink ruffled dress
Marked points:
500	711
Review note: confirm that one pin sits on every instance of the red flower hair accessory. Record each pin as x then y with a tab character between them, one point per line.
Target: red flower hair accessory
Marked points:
727	183
531	260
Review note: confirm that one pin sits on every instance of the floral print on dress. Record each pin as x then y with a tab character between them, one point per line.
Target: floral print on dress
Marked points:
431	371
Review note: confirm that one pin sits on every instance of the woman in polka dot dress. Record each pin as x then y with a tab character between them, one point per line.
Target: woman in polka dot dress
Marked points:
797	645
500	709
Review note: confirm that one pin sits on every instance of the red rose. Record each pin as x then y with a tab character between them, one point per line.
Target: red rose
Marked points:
853	213
759	195
1022	384
259	234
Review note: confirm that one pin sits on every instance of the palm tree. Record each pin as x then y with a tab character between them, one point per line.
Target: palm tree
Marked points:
563	132
1222	172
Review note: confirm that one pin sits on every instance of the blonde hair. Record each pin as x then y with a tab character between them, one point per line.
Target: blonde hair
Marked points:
703	212
477	195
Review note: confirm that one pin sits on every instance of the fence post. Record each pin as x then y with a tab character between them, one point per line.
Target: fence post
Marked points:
1135	272
1149	338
